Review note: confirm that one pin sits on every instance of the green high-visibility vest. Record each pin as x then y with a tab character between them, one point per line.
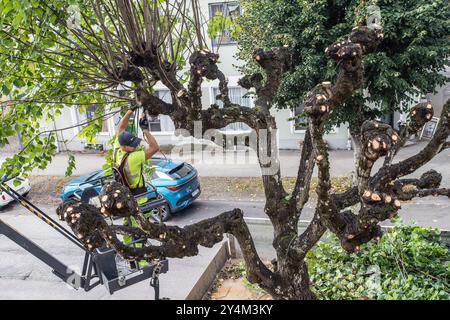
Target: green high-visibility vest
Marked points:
134	165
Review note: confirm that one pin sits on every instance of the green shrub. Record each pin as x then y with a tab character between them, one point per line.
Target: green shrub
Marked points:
409	262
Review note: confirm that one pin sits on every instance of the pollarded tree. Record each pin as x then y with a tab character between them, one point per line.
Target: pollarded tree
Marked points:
82	57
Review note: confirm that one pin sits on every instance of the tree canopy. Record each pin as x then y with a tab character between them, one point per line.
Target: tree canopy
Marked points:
56	54
408	63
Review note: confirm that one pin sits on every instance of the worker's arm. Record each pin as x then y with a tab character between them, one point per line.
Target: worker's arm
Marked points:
124	122
153	144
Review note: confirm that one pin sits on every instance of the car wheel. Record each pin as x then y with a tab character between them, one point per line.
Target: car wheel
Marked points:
161	214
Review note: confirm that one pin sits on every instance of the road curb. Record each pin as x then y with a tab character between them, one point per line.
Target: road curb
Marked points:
208	277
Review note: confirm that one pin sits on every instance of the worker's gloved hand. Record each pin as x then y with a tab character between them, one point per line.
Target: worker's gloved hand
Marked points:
134	106
143	123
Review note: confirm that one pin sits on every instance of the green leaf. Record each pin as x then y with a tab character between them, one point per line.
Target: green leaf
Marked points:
6	89
71	165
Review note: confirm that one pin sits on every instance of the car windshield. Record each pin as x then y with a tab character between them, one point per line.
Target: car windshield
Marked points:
180	171
93	176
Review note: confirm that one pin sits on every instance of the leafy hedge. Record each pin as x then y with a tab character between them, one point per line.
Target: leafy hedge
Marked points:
410	262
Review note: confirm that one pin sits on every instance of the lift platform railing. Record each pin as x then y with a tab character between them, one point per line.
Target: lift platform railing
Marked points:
99	266
41	215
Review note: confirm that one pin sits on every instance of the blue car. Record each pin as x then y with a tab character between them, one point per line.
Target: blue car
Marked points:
176	181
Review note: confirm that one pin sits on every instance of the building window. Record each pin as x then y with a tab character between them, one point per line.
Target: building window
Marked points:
154	124
162	123
239	96
300	122
225	12
90	114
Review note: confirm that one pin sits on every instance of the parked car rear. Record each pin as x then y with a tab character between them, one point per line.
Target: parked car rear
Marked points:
177	182
22	188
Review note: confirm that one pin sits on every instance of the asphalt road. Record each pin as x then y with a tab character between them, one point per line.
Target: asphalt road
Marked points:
429	212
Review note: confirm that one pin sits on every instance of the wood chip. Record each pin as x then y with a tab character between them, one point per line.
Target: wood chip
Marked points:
375	145
320	98
388	199
375	197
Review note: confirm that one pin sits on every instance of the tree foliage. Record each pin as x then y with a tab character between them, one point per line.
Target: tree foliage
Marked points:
52	61
409	263
408	63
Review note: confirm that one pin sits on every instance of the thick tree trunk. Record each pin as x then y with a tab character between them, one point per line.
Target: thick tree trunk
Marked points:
355	133
295	283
